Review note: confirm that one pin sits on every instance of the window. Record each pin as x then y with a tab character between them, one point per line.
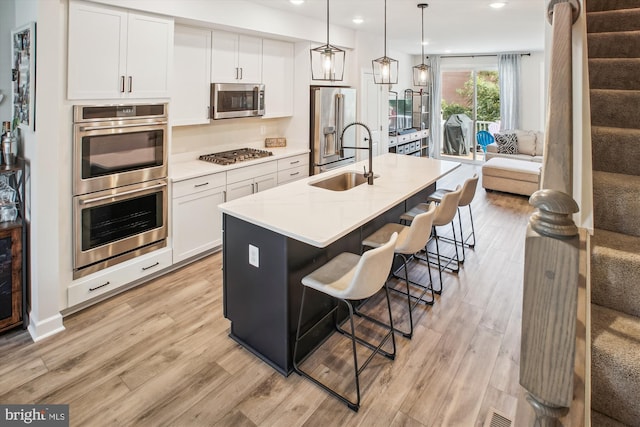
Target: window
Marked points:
470	103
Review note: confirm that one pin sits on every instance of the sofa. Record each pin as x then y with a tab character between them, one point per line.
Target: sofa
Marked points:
529	146
513	162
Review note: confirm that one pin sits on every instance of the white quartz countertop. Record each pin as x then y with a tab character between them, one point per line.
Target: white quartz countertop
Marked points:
319	217
187	167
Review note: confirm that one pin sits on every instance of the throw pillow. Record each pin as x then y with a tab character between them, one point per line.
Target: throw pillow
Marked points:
507	143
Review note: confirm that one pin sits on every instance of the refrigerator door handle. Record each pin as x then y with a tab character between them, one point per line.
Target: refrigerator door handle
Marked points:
339	120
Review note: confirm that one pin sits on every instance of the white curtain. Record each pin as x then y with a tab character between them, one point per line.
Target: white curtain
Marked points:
509	77
436	104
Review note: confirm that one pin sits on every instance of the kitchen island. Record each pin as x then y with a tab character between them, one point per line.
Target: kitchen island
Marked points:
274	238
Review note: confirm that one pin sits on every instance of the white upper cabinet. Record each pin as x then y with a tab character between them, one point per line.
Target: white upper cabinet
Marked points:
191	76
278	72
149	56
116	54
236	58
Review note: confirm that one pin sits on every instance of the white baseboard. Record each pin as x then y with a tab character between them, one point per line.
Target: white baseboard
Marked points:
41	329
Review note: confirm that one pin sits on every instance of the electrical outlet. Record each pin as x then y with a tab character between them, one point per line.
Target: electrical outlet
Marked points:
254	256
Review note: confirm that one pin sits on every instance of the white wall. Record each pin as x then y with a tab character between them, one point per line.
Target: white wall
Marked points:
7	17
532	91
49	233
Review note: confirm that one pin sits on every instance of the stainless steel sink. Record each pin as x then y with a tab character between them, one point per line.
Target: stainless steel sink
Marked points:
341	182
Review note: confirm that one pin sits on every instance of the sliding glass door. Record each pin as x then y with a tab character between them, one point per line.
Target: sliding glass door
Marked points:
470	103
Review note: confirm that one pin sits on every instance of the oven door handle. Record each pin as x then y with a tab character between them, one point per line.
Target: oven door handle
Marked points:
132	125
124	193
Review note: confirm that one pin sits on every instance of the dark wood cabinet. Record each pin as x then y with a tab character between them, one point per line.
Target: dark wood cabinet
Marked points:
11	294
12	238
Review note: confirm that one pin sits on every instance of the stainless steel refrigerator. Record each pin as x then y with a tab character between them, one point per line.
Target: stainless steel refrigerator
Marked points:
332	108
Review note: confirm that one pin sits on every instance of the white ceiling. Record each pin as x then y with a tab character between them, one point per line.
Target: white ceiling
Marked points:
450	26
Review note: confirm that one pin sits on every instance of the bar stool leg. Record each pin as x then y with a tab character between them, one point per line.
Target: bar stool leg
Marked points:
435	236
473	231
355	406
455	246
461	236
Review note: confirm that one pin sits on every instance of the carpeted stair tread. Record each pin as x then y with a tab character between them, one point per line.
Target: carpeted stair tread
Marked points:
613	45
614	73
616	202
597	5
614	20
616	149
615	268
615	108
623	44
599	419
615	364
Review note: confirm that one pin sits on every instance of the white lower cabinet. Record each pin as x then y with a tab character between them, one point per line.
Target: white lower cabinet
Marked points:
118	276
251	179
293	168
239	189
196	220
265	182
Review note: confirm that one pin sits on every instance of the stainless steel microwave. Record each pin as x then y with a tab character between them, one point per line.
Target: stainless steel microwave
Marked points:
229	100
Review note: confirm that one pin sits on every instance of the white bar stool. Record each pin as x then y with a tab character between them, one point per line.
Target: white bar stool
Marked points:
445	213
411	239
468	193
349	277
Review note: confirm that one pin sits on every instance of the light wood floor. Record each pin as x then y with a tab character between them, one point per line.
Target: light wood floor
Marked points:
159	354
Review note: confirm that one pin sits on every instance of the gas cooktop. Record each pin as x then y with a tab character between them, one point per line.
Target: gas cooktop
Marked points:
235	156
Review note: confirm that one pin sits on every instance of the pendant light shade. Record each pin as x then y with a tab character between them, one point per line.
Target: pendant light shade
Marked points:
385	69
327	61
422	72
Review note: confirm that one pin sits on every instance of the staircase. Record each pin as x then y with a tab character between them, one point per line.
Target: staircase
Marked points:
613	38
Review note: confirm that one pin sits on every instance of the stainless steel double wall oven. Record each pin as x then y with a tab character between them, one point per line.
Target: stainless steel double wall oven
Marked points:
119	183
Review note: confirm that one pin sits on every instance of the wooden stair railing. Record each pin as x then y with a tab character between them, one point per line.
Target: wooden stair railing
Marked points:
551	266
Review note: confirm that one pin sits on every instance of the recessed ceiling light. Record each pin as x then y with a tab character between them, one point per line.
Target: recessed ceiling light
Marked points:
424	43
296	2
358	20
447	51
498	4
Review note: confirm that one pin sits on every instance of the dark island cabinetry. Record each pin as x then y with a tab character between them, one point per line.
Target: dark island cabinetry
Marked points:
262	296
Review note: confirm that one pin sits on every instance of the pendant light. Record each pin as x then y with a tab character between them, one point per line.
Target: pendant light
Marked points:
385	69
327	62
421	72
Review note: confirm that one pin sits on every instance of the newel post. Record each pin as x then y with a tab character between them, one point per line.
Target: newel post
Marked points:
549	310
550	294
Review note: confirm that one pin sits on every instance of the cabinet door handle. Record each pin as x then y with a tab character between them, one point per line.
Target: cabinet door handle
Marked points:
240	73
294	174
224	195
130	84
253	188
293	163
237	74
201	185
122	84
151	266
98	287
